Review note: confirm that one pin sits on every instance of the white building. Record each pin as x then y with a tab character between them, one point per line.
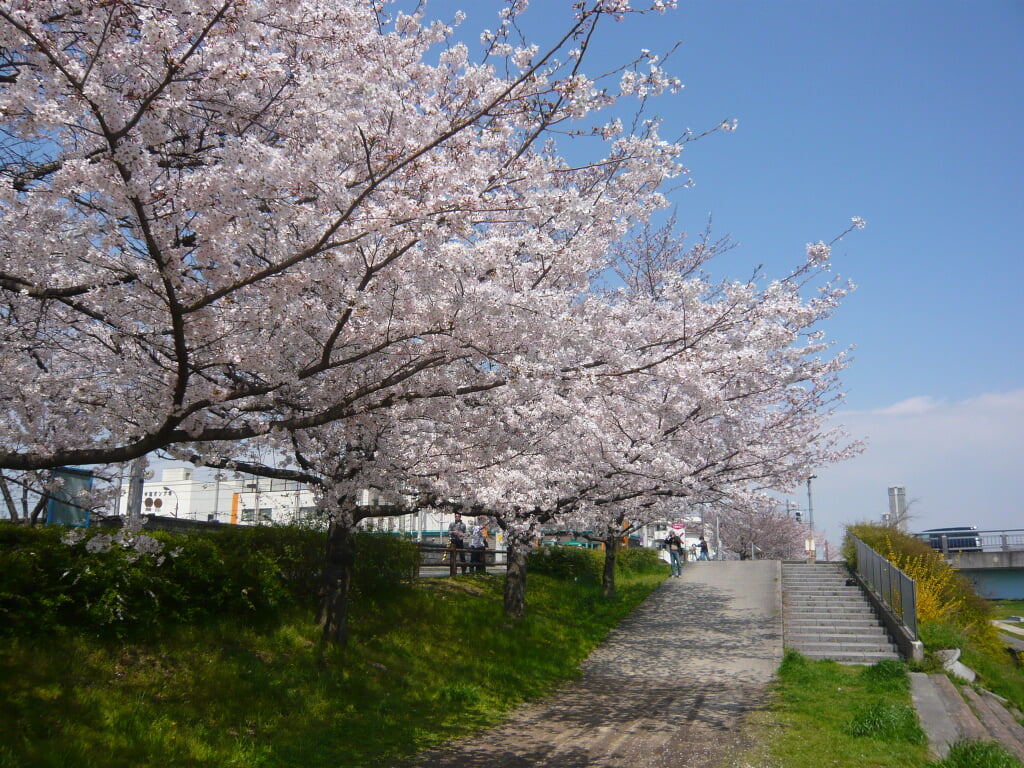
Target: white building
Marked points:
252	500
237	500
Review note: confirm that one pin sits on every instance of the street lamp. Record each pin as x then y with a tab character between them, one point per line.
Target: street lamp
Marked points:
810	516
810	504
175	494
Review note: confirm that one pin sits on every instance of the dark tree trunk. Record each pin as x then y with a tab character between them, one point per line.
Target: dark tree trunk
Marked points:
12	508
515	580
338	564
611	549
37	511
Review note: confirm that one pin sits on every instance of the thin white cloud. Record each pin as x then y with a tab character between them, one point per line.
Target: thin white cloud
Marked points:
911	407
960	461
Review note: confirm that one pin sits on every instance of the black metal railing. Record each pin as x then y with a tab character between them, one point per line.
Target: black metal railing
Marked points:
896	590
457	559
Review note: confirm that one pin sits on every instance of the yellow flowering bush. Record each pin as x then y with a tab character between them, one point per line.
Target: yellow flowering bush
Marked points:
940	595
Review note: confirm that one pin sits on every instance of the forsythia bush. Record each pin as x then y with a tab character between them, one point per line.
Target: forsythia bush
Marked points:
944	596
939	591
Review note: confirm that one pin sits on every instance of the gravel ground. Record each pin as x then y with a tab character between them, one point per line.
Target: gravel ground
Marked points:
668	688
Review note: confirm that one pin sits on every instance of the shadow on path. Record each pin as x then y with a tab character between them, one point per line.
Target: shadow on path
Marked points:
666	689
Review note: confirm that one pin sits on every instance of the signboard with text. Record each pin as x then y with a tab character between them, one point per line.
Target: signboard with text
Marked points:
65	508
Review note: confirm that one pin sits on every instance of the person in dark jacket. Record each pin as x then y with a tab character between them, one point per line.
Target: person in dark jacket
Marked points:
457	542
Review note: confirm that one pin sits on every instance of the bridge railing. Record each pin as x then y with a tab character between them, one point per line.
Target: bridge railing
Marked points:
896	590
1002	541
1007	540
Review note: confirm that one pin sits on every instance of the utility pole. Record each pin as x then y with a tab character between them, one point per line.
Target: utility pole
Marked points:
810	504
136	478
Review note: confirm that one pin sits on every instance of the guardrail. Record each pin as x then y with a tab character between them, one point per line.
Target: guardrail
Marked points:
896	590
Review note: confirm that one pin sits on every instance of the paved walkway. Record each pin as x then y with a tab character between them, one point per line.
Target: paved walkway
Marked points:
664	691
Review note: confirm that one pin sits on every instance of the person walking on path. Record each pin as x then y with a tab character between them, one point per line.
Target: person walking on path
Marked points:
627	708
456	542
703	550
675	553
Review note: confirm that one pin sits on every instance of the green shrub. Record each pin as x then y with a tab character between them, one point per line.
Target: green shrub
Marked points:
31	595
383	561
889	721
641	560
567	563
48	585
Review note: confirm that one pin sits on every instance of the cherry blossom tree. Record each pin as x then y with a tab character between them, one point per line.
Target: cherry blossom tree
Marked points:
228	217
761	528
672	387
326	225
725	393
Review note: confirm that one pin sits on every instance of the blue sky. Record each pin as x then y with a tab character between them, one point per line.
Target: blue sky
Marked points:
908	114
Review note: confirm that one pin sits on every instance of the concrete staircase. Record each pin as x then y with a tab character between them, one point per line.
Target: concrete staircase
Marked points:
949	713
825	619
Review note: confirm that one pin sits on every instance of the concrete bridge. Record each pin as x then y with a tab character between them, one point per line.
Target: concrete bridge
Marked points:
997	569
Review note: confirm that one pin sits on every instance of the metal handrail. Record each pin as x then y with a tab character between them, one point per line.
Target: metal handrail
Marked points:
891	585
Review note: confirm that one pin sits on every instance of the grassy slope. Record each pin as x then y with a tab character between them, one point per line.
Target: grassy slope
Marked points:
429	663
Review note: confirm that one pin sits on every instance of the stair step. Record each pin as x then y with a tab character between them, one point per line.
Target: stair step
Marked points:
828	629
839	633
850	658
833	627
824	644
811	611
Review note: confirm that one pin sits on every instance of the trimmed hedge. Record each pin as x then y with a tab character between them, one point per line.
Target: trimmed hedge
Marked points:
587	565
255	573
642	560
567	563
383	561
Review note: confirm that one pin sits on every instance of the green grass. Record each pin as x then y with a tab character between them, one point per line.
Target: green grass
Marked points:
825	714
999	669
968	754
427	663
1002	609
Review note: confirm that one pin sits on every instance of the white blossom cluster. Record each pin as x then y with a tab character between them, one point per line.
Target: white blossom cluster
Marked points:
127	538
